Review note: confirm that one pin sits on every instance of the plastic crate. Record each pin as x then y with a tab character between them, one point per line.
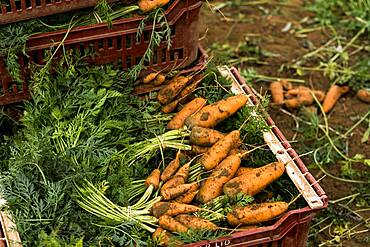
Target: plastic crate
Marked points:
292	229
115	45
8	236
19	10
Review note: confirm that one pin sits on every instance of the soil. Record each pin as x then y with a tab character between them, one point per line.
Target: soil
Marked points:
265	23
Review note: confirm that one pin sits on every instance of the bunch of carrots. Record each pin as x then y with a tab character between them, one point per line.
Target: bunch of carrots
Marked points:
212	169
283	93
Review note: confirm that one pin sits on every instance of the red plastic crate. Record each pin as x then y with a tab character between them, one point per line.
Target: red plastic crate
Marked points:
115	45
292	229
20	10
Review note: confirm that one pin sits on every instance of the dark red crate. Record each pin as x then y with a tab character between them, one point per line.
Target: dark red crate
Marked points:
116	45
20	10
292	229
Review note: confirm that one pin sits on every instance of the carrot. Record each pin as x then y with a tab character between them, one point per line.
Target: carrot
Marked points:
160	79
204	136
188	197
190	88
153	179
255	180
277	92
234	151
171	168
170	107
194	222
184	171
364	95
162	236
219	150
172	208
199	149
173	182
212	187
211	115
243	170
172	89
169	223
334	93
287	85
149	5
190	108
173	192
256	213
320	95
292	103
150	77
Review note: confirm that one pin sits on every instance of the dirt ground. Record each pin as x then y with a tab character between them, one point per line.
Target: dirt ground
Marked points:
267	28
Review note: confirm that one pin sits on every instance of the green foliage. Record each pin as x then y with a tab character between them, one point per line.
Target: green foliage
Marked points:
343	13
71	130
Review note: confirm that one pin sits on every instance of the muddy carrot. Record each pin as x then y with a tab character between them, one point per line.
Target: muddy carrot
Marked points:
153	179
364	95
184	171
173	182
194	222
170	107
173	192
332	96
287	85
171	168
252	182
210	115
243	170
187	198
169	223
199	149
150	77
219	150
277	92
162	236
212	186
168	93
190	108
190	88
160	79
204	136
173	208
256	213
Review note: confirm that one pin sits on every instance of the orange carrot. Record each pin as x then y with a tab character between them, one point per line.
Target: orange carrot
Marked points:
173	208
169	223
170	107
256	213
173	192
219	151
190	108
190	88
194	222
184	171
334	93
204	136
364	95
149	5
173	182
153	179
199	149
168	93
209	116
292	103
160	79
212	187
252	182
287	85
150	77
243	170
277	92
162	236
171	168
187	198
